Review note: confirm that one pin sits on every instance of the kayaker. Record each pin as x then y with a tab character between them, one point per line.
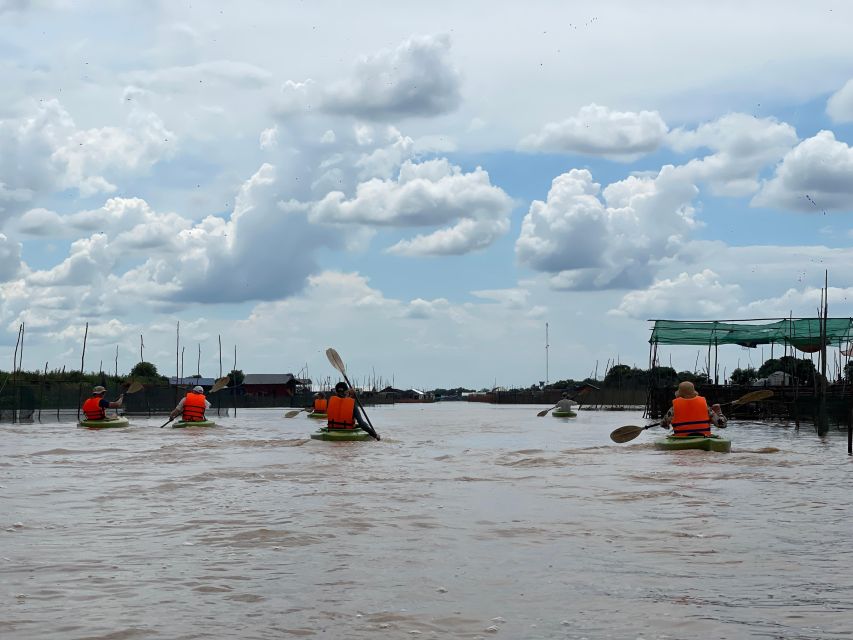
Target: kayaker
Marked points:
320	403
690	414
342	411
566	403
95	405
192	406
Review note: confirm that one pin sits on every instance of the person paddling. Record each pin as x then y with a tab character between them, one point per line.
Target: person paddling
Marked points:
320	403
690	414
94	407
192	406
566	403
342	411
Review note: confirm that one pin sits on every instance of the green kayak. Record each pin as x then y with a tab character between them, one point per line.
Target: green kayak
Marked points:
563	414
711	443
105	424
340	435
180	424
317	416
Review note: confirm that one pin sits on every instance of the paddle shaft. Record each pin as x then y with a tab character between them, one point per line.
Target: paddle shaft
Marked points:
167	422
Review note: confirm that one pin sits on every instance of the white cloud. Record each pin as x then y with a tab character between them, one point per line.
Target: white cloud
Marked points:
10	258
815	176
696	296
839	107
420	309
177	79
269	138
599	131
415	79
46	152
743	146
40	222
426	194
589	244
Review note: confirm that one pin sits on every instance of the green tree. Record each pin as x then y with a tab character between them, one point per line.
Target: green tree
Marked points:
144	370
743	376
237	376
695	378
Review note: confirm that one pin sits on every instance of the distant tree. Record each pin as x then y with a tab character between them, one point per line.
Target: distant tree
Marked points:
802	370
695	378
237	376
663	376
848	371
144	370
743	376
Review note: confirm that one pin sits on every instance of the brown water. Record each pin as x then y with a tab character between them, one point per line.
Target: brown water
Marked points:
466	521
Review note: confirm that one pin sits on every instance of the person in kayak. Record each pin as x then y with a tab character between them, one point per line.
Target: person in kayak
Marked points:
192	406
342	411
690	414
320	403
565	404
94	407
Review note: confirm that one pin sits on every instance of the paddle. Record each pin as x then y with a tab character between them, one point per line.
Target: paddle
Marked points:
295	412
629	432
167	422
338	364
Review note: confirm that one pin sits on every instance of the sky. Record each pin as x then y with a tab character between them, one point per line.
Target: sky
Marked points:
422	186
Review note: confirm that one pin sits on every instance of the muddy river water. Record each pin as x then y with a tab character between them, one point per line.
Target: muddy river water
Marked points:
466	521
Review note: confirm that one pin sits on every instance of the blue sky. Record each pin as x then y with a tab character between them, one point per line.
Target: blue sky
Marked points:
414	191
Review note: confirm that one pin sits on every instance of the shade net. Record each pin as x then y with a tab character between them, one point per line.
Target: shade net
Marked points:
802	333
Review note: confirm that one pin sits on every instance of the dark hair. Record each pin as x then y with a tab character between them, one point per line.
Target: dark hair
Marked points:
341	385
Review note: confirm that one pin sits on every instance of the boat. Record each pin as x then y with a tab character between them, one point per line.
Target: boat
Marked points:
181	424
706	443
563	414
317	415
112	423
340	435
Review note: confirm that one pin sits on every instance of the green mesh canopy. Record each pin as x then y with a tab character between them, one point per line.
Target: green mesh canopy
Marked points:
802	333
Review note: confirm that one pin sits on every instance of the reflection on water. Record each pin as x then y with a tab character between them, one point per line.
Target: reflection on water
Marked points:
466	521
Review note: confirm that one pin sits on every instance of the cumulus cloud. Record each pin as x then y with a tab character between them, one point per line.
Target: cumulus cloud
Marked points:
46	152
426	194
743	146
839	107
696	296
618	243
815	176
597	130
415	79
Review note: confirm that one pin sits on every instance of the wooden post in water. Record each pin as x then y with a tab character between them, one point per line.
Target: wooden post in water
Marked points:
82	364
822	417
234	382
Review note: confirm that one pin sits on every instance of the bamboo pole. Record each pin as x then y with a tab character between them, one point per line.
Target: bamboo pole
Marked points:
82	365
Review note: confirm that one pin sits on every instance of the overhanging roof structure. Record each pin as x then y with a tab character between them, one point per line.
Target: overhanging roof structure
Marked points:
802	333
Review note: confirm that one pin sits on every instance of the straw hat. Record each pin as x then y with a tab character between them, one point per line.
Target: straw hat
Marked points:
98	390
686	390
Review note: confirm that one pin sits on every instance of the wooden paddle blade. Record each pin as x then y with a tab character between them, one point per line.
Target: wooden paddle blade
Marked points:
134	387
220	384
753	396
335	359
291	414
542	414
626	433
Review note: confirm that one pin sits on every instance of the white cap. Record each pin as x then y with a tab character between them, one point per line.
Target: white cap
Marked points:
198	389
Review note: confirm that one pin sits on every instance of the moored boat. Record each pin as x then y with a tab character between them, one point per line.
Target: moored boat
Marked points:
340	435
114	423
181	424
706	443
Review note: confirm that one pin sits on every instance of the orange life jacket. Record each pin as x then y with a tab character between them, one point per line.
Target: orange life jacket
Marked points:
194	407
320	405
690	417
93	409
339	412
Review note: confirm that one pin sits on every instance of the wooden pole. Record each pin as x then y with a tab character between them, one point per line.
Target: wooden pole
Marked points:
823	418
234	382
116	363
82	365
141	345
